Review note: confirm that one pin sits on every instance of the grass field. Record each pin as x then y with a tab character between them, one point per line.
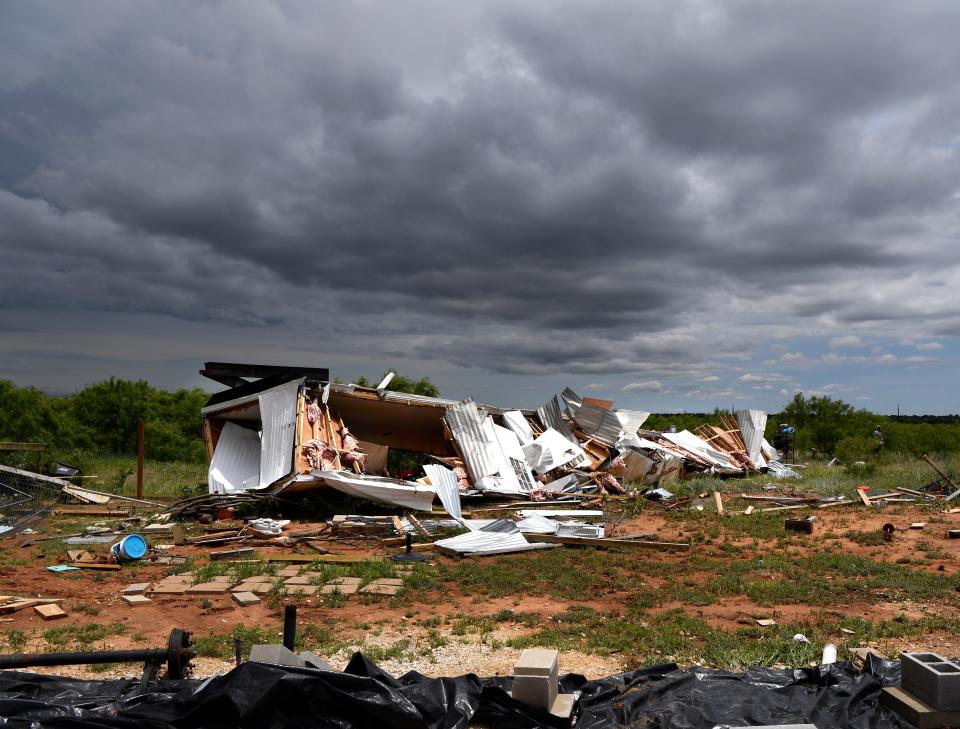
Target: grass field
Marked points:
843	584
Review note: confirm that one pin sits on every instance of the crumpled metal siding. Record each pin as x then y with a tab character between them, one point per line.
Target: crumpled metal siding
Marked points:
550	417
466	426
445	482
752	424
278	416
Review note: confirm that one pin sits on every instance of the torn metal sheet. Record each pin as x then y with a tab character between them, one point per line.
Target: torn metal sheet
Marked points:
514	420
278	417
550	417
574	529
536	524
752	424
549	451
391	491
511	474
605	424
445	482
236	461
499	537
476	447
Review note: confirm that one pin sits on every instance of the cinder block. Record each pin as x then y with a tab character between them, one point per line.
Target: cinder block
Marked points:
537	662
932	678
314	661
535	677
277	655
245	598
535	690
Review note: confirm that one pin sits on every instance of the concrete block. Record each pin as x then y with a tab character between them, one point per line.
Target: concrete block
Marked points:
298	580
136	589
289	572
209	588
301	589
376	588
312	660
258	579
346	581
563	706
169	589
49	612
535	690
932	678
277	655
243	599
537	662
136	600
921	715
259	588
342	589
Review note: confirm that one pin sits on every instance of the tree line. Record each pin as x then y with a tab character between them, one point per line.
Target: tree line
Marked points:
103	417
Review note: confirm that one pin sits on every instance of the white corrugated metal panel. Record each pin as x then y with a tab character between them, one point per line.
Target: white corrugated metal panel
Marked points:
514	420
236	461
572	401
608	425
499	537
278	416
448	489
466	426
549	450
537	524
377	488
752	424
550	417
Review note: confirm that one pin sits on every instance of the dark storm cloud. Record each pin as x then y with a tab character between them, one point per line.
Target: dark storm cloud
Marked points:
599	188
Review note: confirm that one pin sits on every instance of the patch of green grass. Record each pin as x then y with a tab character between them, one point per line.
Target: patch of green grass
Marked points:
82	607
866	539
82	636
16	640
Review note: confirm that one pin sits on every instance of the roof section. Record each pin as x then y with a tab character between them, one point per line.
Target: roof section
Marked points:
233	374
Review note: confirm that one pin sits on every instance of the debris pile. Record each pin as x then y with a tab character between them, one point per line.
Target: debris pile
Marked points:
288	433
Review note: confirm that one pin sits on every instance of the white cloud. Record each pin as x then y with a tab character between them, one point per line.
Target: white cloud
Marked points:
792	357
644	386
850	340
710	378
763	377
595	387
929	346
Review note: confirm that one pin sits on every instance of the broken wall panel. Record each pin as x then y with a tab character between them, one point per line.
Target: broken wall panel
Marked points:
475	447
236	461
278	417
752	424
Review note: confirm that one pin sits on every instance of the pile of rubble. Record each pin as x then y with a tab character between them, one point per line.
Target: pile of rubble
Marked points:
288	433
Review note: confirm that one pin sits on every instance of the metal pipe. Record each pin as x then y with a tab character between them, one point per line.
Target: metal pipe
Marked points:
290	627
26	660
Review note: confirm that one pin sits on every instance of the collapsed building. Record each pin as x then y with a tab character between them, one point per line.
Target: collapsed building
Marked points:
295	430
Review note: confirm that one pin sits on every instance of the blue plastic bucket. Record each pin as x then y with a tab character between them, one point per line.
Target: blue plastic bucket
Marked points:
131	547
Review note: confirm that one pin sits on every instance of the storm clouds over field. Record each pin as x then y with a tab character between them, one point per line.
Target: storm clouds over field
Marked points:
674	204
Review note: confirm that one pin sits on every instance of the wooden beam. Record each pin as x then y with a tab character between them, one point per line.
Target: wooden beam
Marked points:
862	493
418	526
718	500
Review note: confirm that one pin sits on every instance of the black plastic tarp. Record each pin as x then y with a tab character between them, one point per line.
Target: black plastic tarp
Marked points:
261	696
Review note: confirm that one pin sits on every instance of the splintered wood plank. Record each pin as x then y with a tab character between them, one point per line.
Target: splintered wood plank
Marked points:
862	493
719	502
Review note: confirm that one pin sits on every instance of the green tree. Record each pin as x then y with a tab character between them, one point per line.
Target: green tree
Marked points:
27	415
821	422
399	383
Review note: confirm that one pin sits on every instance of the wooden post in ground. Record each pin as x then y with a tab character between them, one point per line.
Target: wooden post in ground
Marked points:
139	459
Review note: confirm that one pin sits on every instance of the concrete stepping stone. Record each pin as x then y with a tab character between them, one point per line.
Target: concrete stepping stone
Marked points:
348	589
210	588
136	600
245	598
136	588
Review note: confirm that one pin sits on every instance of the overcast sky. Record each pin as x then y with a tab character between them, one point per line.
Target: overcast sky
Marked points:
674	205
